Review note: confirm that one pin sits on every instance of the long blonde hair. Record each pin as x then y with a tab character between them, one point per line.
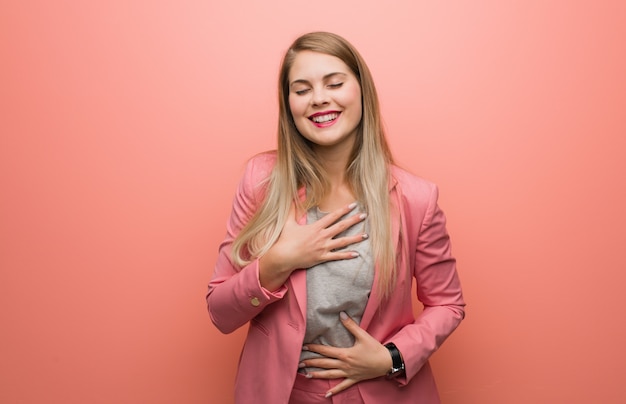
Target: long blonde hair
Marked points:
296	166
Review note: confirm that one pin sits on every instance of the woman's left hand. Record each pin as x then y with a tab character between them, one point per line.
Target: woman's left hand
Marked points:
366	359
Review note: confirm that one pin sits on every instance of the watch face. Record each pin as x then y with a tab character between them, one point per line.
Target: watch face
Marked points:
395	372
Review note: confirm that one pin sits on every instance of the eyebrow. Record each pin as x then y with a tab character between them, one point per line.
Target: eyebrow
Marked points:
326	77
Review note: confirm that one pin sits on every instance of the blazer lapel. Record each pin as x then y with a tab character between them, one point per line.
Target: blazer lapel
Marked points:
297	282
375	298
297	279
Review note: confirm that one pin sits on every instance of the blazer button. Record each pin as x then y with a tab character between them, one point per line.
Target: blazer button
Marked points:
255	301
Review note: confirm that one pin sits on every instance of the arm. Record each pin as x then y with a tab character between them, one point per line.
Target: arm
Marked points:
235	295
438	288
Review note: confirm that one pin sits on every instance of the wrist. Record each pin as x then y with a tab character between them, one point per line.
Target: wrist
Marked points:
272	275
397	363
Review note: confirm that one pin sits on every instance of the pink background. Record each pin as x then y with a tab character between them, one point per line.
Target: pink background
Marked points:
125	126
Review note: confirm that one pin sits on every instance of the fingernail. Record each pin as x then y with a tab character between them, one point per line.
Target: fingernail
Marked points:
355	254
301	365
343	315
365	236
308	376
328	394
305	348
362	216
352	205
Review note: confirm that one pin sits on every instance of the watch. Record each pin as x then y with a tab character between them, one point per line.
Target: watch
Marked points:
397	364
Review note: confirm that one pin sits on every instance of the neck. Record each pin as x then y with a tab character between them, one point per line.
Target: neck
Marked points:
340	192
335	167
335	162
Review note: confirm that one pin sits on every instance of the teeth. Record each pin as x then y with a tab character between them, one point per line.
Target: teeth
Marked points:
325	118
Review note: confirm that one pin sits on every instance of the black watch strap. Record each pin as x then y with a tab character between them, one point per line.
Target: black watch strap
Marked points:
397	364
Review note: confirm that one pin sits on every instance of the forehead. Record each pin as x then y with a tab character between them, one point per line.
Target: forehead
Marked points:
309	65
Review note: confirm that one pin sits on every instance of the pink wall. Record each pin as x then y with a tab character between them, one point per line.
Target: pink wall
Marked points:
124	126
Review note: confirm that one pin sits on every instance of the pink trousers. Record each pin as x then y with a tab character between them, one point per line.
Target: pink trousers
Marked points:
312	391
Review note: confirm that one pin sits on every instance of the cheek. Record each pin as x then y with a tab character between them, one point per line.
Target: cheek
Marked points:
296	106
352	97
297	109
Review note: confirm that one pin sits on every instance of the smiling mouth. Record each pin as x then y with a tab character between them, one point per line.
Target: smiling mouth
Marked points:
325	117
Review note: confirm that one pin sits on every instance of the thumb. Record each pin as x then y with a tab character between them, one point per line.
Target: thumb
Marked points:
294	213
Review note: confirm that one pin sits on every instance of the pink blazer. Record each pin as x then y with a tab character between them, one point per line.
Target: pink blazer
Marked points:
270	356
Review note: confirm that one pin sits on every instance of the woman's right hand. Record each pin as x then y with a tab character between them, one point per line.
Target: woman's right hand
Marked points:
303	246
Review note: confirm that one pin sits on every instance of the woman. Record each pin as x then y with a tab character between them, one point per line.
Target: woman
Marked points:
325	236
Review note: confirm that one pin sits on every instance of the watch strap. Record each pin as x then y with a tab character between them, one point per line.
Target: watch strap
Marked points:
397	364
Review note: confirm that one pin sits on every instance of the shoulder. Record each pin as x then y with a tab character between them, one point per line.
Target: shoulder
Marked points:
259	167
412	186
256	175
417	197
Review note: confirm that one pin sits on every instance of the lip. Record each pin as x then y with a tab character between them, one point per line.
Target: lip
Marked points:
324	124
324	113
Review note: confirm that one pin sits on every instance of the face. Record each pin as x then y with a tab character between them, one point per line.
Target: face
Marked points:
325	100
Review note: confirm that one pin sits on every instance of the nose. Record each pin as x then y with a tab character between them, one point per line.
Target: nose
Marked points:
320	97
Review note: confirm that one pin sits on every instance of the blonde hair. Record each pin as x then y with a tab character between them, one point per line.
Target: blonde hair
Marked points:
296	166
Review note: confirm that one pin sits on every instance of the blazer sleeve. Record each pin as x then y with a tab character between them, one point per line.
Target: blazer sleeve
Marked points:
438	289
235	295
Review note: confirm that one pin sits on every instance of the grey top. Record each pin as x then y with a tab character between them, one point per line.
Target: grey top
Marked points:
336	286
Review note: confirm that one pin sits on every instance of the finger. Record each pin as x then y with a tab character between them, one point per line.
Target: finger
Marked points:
340	255
351	325
343	225
322	363
327	374
335	215
340	387
342	242
324	350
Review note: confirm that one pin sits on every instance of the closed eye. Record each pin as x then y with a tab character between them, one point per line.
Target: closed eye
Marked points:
302	92
335	85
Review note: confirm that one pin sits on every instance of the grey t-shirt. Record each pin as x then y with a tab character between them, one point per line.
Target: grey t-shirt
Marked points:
336	286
